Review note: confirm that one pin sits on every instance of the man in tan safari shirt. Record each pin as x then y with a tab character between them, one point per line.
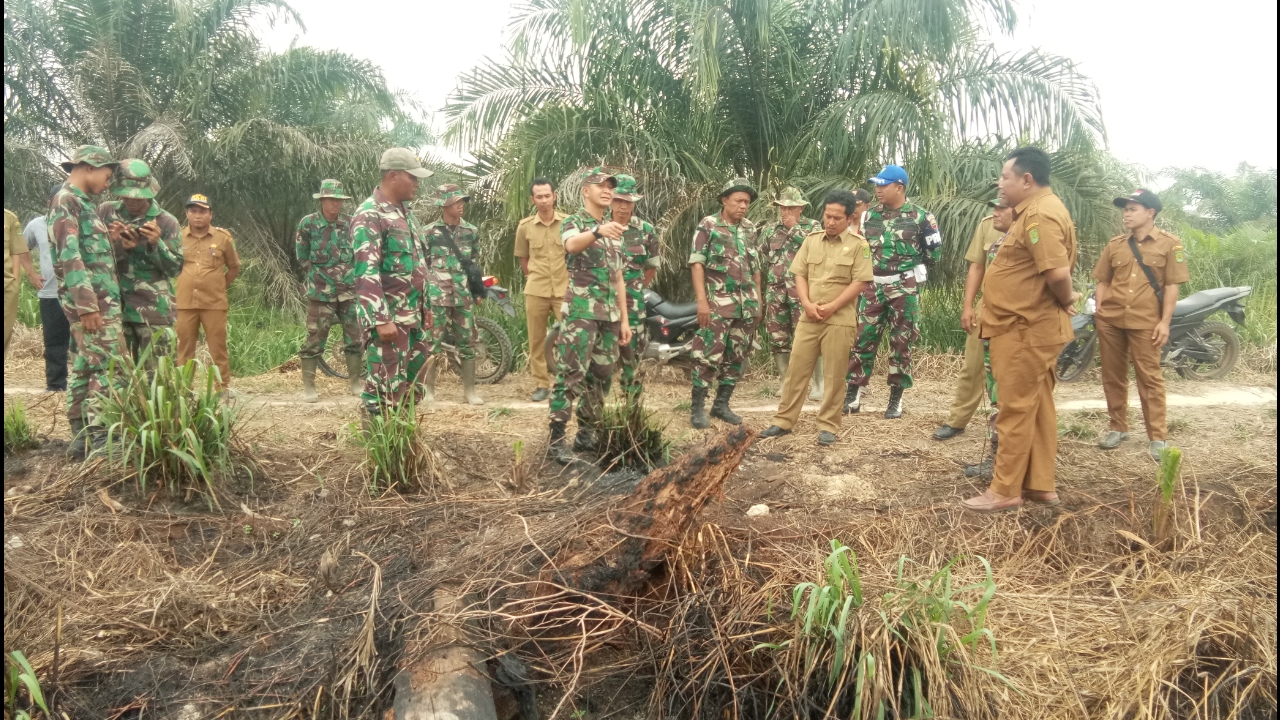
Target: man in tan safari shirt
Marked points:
541	254
210	265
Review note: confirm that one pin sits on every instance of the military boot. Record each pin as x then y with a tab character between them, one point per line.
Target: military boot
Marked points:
468	371
698	410
95	439
429	382
79	440
781	361
309	380
555	445
894	411
355	373
853	400
585	440
815	383
720	409
985	468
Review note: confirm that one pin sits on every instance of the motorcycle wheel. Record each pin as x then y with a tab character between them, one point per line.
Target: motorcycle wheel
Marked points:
333	361
1219	337
494	354
1076	358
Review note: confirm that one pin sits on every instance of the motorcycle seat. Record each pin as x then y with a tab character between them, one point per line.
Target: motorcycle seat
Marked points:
1202	300
656	305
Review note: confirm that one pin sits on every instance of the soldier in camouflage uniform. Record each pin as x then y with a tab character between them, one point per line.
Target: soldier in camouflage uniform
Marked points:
725	265
391	277
904	240
594	315
85	265
640	254
327	257
779	242
148	258
452	242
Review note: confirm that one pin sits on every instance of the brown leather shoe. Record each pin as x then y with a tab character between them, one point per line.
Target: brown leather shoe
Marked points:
1044	497
991	502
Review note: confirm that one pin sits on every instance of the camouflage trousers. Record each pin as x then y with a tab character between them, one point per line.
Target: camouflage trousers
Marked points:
629	356
393	370
320	318
140	336
720	350
899	307
782	313
455	325
92	371
585	354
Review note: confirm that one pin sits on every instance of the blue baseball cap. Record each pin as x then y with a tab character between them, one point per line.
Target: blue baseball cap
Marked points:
889	175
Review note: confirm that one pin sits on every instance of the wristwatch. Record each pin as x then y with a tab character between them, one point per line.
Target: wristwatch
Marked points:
596	232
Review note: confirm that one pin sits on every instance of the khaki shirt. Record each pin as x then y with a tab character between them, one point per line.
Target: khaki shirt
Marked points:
1132	302
980	244
1016	295
206	260
14	244
831	266
540	243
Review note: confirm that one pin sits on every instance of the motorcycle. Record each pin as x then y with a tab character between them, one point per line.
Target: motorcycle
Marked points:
669	328
494	352
1198	349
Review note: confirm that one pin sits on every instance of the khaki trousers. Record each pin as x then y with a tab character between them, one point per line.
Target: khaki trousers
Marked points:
537	310
971	383
811	341
1028	421
1116	346
214	323
10	312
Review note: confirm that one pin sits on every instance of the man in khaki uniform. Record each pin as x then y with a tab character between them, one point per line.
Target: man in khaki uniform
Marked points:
1027	306
831	268
972	380
15	250
541	254
210	265
1135	305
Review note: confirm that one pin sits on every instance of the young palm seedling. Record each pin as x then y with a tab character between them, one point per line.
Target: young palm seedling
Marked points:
18	433
1162	515
628	434
396	455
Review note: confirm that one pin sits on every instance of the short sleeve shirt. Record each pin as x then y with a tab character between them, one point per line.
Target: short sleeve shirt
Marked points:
1016	295
730	259
831	265
14	244
325	251
1132	302
540	242
903	238
983	238
639	253
592	293
778	247
205	261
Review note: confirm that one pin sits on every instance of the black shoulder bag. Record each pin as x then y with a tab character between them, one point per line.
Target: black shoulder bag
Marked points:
475	276
1151	276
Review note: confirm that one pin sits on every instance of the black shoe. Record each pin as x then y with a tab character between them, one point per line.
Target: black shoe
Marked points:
720	409
981	470
698	410
585	440
826	438
774	431
894	411
946	432
540	394
79	440
853	400
555	445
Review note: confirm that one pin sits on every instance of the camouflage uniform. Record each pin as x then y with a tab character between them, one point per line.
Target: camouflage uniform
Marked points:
146	273
778	245
85	265
391	275
640	252
730	260
447	293
590	329
900	240
326	254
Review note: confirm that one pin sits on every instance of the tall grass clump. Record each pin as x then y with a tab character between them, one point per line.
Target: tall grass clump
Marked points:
631	436
18	433
170	427
19	680
396	455
1244	256
1167	478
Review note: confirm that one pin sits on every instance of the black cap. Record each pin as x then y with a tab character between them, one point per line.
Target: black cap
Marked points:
1143	197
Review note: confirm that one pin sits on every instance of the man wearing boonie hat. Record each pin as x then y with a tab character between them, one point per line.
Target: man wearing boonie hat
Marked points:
85	265
779	242
904	240
594	316
322	245
210	264
642	259
453	244
149	259
391	276
725	265
1138	276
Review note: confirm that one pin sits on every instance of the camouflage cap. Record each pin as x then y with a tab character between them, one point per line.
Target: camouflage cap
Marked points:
597	175
91	155
330	188
403	159
791	197
626	189
447	194
155	186
739	184
133	180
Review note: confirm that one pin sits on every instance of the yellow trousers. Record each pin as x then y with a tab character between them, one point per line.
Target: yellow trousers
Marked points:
813	340
537	310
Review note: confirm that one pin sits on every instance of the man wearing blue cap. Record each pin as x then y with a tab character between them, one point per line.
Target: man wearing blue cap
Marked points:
904	239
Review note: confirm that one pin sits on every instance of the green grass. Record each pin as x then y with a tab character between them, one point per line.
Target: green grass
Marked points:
18	433
28	306
632	436
22	694
396	454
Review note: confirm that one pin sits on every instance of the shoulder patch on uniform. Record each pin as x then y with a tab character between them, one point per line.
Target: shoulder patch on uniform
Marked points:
1179	255
1034	234
866	251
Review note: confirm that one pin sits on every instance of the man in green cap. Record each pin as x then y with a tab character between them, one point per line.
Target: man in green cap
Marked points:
726	280
391	277
327	258
594	315
453	249
148	258
85	265
640	254
779	242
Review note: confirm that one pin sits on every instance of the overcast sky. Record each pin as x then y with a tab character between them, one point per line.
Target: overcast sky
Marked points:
1183	83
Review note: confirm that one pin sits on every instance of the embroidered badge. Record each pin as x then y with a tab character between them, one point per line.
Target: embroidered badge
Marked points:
1035	236
1180	256
866	251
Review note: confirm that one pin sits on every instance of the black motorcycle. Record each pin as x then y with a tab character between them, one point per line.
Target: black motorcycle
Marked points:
1198	349
669	328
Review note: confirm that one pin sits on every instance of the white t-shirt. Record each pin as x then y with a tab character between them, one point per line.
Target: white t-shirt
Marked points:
37	234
